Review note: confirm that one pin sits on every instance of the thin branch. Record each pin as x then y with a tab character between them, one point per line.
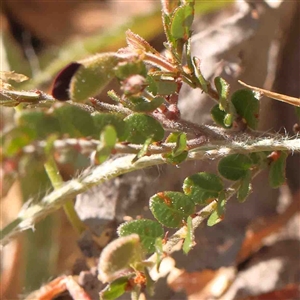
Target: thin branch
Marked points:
197	146
29	216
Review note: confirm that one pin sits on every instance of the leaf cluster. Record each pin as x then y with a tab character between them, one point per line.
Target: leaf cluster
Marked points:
144	119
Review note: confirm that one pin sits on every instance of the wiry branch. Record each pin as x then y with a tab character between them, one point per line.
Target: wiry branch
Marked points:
29	216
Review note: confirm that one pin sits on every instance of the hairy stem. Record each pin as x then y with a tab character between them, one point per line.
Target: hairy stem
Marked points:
29	216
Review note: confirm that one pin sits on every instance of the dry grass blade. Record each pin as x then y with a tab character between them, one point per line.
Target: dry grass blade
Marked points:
283	98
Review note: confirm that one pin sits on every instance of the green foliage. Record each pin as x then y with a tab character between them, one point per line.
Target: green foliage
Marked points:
147	230
142	104
103	119
181	21
161	86
17	138
246	104
223	89
74	121
218	215
115	289
143	125
119	257
171	208
41	123
108	140
221	117
202	187
179	153
235	166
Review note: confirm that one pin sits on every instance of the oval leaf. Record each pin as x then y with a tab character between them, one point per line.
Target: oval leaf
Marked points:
103	119
148	231
118	256
220	117
115	289
74	121
141	127
158	86
92	76
17	138
43	124
203	187
182	20
144	105
171	208
175	160
246	104
223	89
234	166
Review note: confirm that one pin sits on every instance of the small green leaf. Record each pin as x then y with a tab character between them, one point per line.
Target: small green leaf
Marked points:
74	121
175	160
223	89
126	69
245	187
92	76
256	157
228	120
246	104
217	216
141	127
171	208
180	144
189	238
108	140
142	104
115	289
118	257
148	231
108	136
197	70
172	137
41	122
203	187
179	154
234	166
143	151
182	20
102	154
158	86
103	119
218	115
277	171
17	138
221	117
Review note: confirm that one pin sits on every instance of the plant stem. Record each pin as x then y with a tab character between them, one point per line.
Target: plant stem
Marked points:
57	182
29	216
